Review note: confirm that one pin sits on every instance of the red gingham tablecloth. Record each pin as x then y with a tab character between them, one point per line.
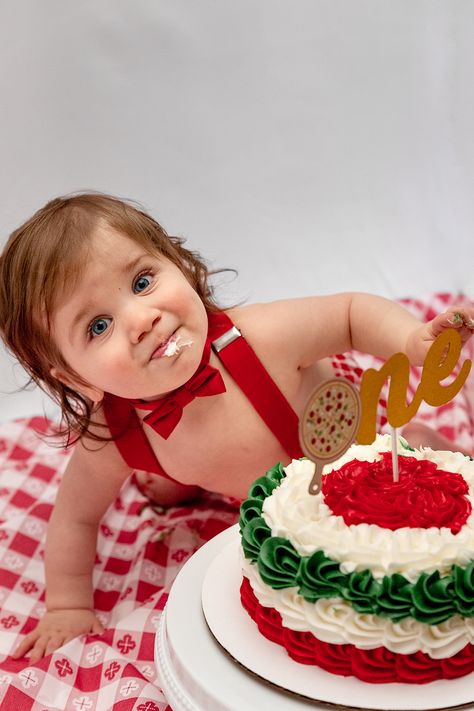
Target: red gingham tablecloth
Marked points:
140	551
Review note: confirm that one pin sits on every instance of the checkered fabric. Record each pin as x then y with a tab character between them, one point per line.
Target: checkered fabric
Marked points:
140	551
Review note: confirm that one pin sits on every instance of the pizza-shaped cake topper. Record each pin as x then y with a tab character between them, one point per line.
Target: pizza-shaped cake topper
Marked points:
329	424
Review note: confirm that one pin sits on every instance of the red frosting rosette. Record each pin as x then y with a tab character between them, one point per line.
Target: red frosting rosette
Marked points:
424	496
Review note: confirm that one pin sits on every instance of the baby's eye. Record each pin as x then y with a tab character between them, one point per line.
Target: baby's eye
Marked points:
141	283
99	326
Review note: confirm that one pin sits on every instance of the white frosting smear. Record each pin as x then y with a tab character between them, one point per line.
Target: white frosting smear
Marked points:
333	620
308	523
175	346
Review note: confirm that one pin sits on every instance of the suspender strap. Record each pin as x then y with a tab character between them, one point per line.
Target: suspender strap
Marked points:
126	428
252	378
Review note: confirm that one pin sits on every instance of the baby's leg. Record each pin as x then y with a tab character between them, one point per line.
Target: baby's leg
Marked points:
419	435
164	492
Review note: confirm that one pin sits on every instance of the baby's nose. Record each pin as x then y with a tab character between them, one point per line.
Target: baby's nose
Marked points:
142	322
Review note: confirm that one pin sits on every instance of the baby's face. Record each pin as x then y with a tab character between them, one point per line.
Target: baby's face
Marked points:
113	328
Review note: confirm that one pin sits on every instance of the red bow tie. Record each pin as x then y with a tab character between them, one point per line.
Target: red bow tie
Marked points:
167	411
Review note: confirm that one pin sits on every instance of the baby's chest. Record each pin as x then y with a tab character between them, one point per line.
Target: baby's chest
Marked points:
217	444
221	442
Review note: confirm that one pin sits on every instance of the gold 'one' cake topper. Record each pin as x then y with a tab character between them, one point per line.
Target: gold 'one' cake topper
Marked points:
439	362
325	434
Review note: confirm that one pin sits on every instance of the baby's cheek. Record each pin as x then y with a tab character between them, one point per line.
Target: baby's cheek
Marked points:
117	364
111	363
181	296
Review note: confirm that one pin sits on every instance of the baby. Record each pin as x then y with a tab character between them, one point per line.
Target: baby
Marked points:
117	321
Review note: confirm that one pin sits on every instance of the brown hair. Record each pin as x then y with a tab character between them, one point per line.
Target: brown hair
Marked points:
49	251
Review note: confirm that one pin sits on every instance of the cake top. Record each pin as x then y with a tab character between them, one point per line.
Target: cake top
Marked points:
423	523
424	496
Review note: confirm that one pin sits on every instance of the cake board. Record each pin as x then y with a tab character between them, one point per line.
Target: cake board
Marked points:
228	668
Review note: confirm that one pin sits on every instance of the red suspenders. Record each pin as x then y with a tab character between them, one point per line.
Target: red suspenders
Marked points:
252	378
250	375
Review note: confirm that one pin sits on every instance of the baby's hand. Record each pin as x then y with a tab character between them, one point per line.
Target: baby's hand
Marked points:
460	318
55	629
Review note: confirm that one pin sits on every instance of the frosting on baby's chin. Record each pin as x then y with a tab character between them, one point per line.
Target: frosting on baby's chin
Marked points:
175	346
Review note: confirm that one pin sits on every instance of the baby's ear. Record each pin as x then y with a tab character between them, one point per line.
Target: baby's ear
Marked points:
88	391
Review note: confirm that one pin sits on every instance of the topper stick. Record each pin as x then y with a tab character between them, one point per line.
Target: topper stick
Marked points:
394	453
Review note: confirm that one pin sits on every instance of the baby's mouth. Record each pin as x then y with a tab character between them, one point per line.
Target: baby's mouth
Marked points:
170	347
175	345
160	351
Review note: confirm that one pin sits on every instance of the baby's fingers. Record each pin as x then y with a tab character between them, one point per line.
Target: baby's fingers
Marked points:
38	650
462	316
25	645
46	645
54	642
97	627
40	645
459	317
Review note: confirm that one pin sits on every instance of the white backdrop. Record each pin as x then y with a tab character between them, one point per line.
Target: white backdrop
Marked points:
314	145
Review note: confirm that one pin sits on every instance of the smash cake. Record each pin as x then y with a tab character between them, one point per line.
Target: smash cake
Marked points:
369	578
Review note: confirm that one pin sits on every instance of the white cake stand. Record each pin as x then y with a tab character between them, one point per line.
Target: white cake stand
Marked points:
243	670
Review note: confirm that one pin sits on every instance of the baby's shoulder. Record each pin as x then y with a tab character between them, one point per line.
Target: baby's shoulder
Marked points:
96	454
259	320
270	318
262	309
269	327
299	331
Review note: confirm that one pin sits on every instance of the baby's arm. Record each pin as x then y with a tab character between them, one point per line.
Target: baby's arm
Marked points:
90	484
383	327
312	328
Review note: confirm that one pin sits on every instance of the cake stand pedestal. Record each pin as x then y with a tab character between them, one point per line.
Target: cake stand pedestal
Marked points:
194	671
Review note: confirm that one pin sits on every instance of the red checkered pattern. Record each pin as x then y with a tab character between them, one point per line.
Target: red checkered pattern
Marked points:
140	551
